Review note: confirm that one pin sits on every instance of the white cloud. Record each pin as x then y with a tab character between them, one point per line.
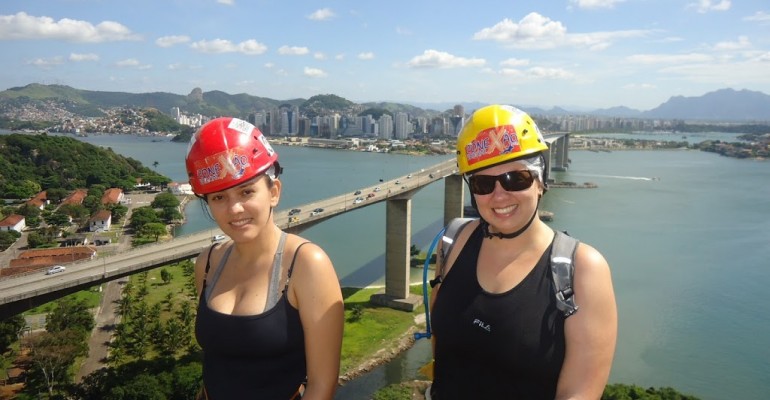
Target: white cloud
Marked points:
83	57
439	59
314	72
639	86
533	27
669	58
293	51
249	47
132	63
226	2
554	73
46	63
535	31
593	4
269	65
403	31
366	56
514	62
340	57
168	41
319	55
704	6
22	26
742	43
759	16
321	15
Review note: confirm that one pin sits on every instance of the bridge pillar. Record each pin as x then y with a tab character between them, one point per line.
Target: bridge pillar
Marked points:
398	220
454	197
560	154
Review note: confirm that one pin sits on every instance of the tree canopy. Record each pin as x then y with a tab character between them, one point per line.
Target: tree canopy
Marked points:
30	163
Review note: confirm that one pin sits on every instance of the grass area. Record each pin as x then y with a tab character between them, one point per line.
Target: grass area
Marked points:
92	297
370	328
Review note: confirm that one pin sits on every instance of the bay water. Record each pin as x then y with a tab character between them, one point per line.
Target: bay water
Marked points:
686	233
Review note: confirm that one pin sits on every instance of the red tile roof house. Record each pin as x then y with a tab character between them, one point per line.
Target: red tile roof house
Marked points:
14	222
76	197
37	259
112	196
100	222
40	200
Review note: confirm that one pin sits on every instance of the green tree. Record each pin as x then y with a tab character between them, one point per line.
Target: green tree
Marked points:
165	200
10	329
70	313
166	276
142	216
35	240
153	229
118	211
171	214
51	354
7	238
58	219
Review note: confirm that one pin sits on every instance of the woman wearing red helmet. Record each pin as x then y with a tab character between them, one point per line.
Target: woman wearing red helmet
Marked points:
499	326
270	313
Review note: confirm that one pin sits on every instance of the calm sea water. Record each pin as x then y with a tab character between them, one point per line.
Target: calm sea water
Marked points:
686	233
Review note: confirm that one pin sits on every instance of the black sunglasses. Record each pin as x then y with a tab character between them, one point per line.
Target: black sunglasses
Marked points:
511	181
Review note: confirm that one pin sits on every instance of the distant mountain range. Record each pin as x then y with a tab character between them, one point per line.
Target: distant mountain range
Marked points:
721	105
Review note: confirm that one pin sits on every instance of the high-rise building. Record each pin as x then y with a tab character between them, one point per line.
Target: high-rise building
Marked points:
385	124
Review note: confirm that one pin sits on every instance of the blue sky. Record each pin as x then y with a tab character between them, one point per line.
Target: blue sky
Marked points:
577	54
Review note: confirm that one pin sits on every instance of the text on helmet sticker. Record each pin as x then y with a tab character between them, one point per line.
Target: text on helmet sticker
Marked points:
491	143
220	165
241	126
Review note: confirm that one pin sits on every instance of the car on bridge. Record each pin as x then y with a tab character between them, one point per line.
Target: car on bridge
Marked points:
217	238
370	195
358	200
357	193
316	211
377	189
294	211
55	269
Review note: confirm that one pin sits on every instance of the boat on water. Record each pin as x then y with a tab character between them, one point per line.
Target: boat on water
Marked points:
470	212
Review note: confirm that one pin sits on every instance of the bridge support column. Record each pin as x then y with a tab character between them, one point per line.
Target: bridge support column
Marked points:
560	154
454	197
398	216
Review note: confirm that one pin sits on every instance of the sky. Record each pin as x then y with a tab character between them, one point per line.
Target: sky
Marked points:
574	54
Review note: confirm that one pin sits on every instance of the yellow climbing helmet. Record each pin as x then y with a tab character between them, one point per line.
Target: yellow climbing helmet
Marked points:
496	134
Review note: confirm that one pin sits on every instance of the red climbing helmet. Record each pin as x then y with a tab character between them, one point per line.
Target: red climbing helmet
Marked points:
226	152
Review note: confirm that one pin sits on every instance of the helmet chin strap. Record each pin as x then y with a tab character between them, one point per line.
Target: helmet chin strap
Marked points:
489	235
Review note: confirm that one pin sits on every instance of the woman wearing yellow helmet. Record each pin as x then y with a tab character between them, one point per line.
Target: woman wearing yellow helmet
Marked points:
496	327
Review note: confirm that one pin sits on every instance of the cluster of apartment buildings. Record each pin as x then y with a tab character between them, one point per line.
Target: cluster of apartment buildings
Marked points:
289	121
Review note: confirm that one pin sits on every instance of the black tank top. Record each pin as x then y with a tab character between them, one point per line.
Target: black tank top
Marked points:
255	356
496	346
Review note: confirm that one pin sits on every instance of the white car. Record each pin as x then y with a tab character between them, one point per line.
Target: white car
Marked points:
218	238
55	269
358	200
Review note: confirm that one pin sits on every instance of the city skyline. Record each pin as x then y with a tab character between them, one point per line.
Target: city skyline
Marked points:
576	54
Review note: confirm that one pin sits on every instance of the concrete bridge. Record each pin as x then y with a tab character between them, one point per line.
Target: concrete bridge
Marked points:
19	293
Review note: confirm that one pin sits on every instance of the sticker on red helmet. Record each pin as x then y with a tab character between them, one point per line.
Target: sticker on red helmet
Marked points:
491	143
220	165
241	126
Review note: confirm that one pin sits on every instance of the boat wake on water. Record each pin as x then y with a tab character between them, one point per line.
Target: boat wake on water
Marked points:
635	178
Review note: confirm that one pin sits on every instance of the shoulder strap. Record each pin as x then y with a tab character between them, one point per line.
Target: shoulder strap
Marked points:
453	229
291	267
563	271
451	232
